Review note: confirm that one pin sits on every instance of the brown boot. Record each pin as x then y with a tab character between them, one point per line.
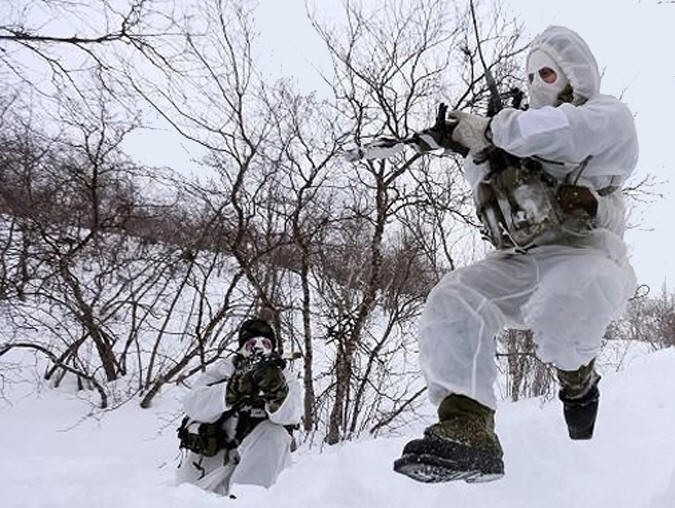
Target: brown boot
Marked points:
461	446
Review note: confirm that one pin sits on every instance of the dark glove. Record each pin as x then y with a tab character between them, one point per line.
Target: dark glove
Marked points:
270	379
239	387
440	135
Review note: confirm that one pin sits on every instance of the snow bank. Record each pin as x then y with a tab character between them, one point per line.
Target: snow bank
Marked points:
52	458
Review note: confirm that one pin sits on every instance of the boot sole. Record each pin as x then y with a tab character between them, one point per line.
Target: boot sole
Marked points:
433	461
429	469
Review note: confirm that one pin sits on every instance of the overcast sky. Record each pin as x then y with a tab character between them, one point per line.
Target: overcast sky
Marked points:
629	39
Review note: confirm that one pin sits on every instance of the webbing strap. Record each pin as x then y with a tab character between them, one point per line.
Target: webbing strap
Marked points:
606	191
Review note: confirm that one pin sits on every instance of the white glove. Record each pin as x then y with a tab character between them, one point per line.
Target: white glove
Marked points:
470	131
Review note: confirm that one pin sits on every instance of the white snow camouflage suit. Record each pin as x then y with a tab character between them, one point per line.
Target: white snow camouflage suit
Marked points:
566	293
263	453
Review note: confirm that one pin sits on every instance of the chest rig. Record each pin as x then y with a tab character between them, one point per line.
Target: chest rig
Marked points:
520	205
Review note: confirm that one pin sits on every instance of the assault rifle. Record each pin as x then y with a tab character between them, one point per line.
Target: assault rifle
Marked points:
425	141
515	200
437	136
256	366
259	361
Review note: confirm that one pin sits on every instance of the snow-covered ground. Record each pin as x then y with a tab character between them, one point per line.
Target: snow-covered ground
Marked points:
51	457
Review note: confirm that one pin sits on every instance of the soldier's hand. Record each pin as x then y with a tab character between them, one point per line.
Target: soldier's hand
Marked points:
440	135
272	383
471	131
240	386
269	377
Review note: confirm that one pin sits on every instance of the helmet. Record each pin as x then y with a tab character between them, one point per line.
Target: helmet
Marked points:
256	328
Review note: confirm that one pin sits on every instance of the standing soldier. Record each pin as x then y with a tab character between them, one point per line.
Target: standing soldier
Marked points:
560	268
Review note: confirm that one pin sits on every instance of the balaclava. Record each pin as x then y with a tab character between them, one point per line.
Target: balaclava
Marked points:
543	93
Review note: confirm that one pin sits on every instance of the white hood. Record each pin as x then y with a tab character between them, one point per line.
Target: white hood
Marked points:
574	57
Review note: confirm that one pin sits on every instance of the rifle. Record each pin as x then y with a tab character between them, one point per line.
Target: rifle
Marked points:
259	361
425	141
508	220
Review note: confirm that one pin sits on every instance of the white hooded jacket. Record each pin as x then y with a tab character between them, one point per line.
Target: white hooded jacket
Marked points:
593	125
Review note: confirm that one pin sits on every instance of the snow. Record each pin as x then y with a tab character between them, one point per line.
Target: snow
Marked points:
53	457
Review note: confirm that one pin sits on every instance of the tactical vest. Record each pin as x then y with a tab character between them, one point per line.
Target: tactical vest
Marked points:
521	206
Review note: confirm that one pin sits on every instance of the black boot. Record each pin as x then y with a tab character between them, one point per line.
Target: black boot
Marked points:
461	446
580	397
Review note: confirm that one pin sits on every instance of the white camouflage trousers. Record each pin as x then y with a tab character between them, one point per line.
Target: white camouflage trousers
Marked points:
566	294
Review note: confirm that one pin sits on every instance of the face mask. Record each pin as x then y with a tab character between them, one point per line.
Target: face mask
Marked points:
545	80
256	346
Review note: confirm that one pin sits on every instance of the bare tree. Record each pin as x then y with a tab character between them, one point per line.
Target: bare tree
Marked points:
391	67
70	198
526	376
338	256
647	319
69	43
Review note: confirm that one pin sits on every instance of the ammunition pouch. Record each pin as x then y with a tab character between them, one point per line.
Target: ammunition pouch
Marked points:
521	206
205	439
577	201
208	439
